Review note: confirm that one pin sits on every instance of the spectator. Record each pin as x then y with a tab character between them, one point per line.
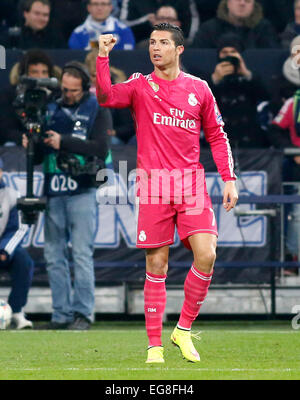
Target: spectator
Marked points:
283	87
241	17
71	154
291	65
35	63
100	21
167	14
35	32
162	14
13	257
287	121
293	28
139	15
237	92
76	12
123	126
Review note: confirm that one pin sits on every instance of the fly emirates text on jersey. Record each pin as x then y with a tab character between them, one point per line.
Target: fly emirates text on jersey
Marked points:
176	119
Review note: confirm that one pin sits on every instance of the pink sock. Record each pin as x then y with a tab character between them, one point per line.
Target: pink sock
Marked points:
195	290
155	297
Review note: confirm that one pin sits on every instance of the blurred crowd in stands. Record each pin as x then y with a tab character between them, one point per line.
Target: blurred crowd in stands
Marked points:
229	26
77	23
253	116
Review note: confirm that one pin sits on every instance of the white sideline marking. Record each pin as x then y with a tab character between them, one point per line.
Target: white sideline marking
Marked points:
163	369
237	331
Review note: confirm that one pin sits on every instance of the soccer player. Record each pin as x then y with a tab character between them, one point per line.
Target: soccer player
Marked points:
169	108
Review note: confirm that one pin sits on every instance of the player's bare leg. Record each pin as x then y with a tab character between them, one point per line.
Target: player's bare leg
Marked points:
204	250
155	297
195	290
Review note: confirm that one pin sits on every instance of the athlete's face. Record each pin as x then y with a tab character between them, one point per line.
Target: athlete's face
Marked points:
162	49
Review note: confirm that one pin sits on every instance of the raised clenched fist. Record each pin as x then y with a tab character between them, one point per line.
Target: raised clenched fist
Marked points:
106	44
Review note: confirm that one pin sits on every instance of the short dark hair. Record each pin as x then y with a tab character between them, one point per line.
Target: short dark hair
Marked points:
33	57
177	34
79	71
27	4
230	40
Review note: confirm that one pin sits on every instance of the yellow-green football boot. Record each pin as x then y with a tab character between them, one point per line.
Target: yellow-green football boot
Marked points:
183	339
155	355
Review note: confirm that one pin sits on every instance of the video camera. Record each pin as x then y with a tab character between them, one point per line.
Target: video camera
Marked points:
33	95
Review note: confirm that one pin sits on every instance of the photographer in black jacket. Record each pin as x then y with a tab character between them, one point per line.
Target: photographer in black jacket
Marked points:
238	92
72	151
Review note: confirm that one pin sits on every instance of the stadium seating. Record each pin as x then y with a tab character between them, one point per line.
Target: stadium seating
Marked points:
265	63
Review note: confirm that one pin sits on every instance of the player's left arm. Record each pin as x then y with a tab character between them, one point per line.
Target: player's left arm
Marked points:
230	195
215	135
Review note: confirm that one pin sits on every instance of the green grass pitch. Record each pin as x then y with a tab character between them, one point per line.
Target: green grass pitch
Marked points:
117	351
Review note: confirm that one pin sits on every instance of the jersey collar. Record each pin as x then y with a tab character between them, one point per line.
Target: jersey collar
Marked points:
165	81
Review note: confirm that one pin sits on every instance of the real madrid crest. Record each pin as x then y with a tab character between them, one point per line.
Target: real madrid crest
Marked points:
154	86
192	99
142	236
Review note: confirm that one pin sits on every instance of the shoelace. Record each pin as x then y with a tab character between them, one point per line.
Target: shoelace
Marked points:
196	335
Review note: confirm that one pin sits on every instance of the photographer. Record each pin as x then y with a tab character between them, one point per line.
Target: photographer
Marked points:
34	63
238	92
13	258
73	149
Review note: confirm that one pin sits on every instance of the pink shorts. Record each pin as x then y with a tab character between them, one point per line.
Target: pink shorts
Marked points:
156	223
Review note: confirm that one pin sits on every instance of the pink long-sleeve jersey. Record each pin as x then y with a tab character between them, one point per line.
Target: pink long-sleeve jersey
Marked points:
169	116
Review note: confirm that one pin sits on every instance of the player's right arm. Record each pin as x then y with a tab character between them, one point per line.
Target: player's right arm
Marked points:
119	95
